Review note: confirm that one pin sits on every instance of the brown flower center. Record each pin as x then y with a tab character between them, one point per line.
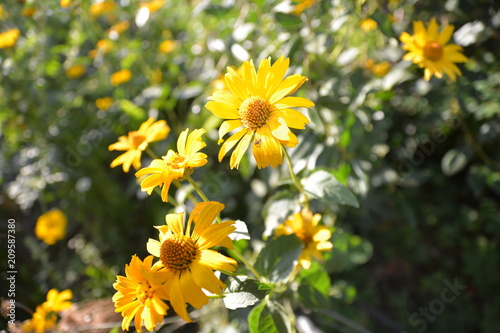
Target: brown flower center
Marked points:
136	139
177	252
433	51
254	112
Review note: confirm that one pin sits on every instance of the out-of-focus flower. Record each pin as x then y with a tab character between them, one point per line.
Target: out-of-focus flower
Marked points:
140	294
2	12
429	49
65	3
378	69
103	46
302	5
28	11
368	24
45	316
119	28
258	104
137	141
161	172
314	237
167	46
186	257
58	301
153	5
9	38
103	7
122	76
104	103
51	226
75	71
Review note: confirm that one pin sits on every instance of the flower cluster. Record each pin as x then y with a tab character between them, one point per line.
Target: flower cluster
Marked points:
45	317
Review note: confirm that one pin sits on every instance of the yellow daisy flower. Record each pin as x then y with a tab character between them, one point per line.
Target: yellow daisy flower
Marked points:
122	76
103	7
186	257
75	71
58	301
51	226
314	237
9	38
378	69
42	320
256	103
137	141
139	295
368	24
104	103
174	165
428	49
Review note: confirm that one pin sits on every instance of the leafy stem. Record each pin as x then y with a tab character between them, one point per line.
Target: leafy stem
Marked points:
295	181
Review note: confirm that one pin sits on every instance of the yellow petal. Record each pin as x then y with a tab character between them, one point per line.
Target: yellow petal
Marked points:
445	35
287	86
231	142
266	149
240	150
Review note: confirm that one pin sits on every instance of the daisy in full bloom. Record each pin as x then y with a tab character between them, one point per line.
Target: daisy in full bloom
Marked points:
428	49
185	255
257	104
174	165
45	316
140	294
314	237
137	141
51	226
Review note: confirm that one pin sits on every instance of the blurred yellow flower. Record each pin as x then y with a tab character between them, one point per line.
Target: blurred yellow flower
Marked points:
122	76
186	257
161	172
119	27
42	320
139	295
428	49
368	25
28	11
2	12
167	46
153	5
302	5
103	7
220	83
104	103
65	3
58	301
256	103
75	71
314	237
103	46
9	38
51	226
378	69
137	141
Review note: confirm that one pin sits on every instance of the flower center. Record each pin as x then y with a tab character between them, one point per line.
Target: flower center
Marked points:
177	252
142	291
136	139
175	161
433	51
254	112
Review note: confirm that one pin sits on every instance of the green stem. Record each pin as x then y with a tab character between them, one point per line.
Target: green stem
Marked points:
152	154
238	256
294	179
200	193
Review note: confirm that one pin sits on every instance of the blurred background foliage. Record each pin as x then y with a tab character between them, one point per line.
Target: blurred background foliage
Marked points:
421	157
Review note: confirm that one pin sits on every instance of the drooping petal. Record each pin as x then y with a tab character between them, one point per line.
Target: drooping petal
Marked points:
240	150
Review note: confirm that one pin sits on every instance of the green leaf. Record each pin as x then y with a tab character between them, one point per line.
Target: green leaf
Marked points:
242	292
278	208
314	287
133	111
269	317
279	257
324	186
453	161
288	20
